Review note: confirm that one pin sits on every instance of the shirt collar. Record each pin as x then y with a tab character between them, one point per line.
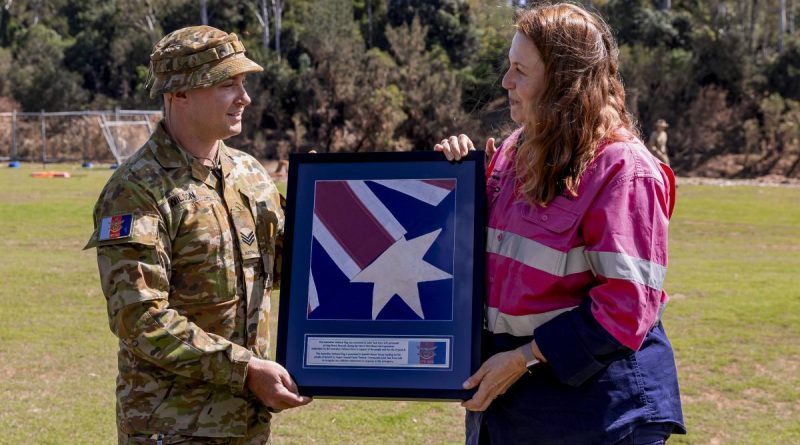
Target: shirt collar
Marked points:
170	155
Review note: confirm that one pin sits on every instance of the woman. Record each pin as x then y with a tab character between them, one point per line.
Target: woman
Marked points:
576	252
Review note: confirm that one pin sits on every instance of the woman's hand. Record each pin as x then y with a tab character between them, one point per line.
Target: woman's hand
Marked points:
456	147
495	376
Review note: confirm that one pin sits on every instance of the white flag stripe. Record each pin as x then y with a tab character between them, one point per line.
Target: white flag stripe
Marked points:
377	209
334	249
313	298
425	192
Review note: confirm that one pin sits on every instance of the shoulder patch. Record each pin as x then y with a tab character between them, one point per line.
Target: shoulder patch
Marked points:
115	227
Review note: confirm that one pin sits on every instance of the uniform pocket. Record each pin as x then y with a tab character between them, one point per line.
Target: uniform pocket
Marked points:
203	262
179	411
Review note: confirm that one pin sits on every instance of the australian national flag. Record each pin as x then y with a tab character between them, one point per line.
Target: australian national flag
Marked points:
382	250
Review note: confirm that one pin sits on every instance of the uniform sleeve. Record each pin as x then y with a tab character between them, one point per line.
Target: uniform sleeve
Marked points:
625	234
134	275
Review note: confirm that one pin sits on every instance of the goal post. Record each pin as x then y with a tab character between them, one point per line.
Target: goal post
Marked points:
124	137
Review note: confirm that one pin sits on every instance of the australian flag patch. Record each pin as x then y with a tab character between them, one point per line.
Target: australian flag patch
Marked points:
115	227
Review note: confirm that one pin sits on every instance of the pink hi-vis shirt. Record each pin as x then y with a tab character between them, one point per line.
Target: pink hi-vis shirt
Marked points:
608	244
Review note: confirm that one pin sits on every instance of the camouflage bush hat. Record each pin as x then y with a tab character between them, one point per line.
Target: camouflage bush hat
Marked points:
196	57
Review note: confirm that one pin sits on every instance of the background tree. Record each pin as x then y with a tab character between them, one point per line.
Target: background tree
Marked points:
38	79
432	91
355	75
449	25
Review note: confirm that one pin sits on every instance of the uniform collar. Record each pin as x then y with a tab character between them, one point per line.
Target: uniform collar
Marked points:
170	155
166	150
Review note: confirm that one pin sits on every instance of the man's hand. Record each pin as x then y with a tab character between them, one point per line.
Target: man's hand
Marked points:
273	386
495	376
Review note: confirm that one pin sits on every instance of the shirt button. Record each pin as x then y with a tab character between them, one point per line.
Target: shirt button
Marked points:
496	189
545	218
499	237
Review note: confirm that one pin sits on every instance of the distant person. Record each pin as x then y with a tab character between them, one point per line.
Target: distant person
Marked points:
657	144
576	252
186	233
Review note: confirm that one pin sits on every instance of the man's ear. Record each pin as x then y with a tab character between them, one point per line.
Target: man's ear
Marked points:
178	98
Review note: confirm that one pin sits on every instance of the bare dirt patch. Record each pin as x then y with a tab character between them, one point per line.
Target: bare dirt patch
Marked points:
764	181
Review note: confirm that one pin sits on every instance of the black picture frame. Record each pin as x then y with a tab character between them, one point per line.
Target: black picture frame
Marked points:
343	209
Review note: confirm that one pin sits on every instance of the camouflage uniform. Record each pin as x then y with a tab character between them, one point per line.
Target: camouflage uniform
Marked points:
657	143
186	255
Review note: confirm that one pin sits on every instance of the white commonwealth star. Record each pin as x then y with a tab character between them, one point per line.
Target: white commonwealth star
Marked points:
397	272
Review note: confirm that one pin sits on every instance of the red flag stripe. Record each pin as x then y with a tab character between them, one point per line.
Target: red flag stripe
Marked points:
350	222
447	184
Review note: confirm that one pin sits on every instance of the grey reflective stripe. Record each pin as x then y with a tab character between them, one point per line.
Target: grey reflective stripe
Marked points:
535	254
625	267
519	325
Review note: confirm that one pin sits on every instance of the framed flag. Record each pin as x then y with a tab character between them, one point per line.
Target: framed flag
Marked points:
382	278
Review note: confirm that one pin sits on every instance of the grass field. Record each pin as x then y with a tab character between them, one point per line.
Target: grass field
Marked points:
734	321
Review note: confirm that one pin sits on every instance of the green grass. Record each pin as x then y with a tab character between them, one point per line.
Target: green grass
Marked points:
734	321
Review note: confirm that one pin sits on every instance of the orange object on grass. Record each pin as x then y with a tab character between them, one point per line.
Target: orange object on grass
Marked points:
50	174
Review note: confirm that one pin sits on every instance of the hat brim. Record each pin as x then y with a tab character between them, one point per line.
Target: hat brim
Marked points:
204	76
232	66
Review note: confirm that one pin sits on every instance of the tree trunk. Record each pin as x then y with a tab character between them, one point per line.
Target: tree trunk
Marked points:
369	22
665	5
277	9
751	31
265	25
203	12
781	25
791	17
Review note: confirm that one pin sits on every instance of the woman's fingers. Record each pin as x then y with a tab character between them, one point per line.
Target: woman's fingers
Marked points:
455	147
447	149
465	144
475	379
490	148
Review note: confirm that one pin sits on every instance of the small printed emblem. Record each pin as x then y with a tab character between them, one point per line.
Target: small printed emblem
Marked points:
427	352
247	236
115	227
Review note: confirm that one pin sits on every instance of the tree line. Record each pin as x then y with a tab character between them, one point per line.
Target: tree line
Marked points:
366	75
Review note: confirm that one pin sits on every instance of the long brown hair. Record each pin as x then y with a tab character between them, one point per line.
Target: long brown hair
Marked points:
583	102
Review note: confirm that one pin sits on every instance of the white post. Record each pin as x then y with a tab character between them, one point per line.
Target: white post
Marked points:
44	140
14	135
203	13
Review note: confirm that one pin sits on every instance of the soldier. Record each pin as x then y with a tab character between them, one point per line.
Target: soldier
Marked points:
657	144
187	233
